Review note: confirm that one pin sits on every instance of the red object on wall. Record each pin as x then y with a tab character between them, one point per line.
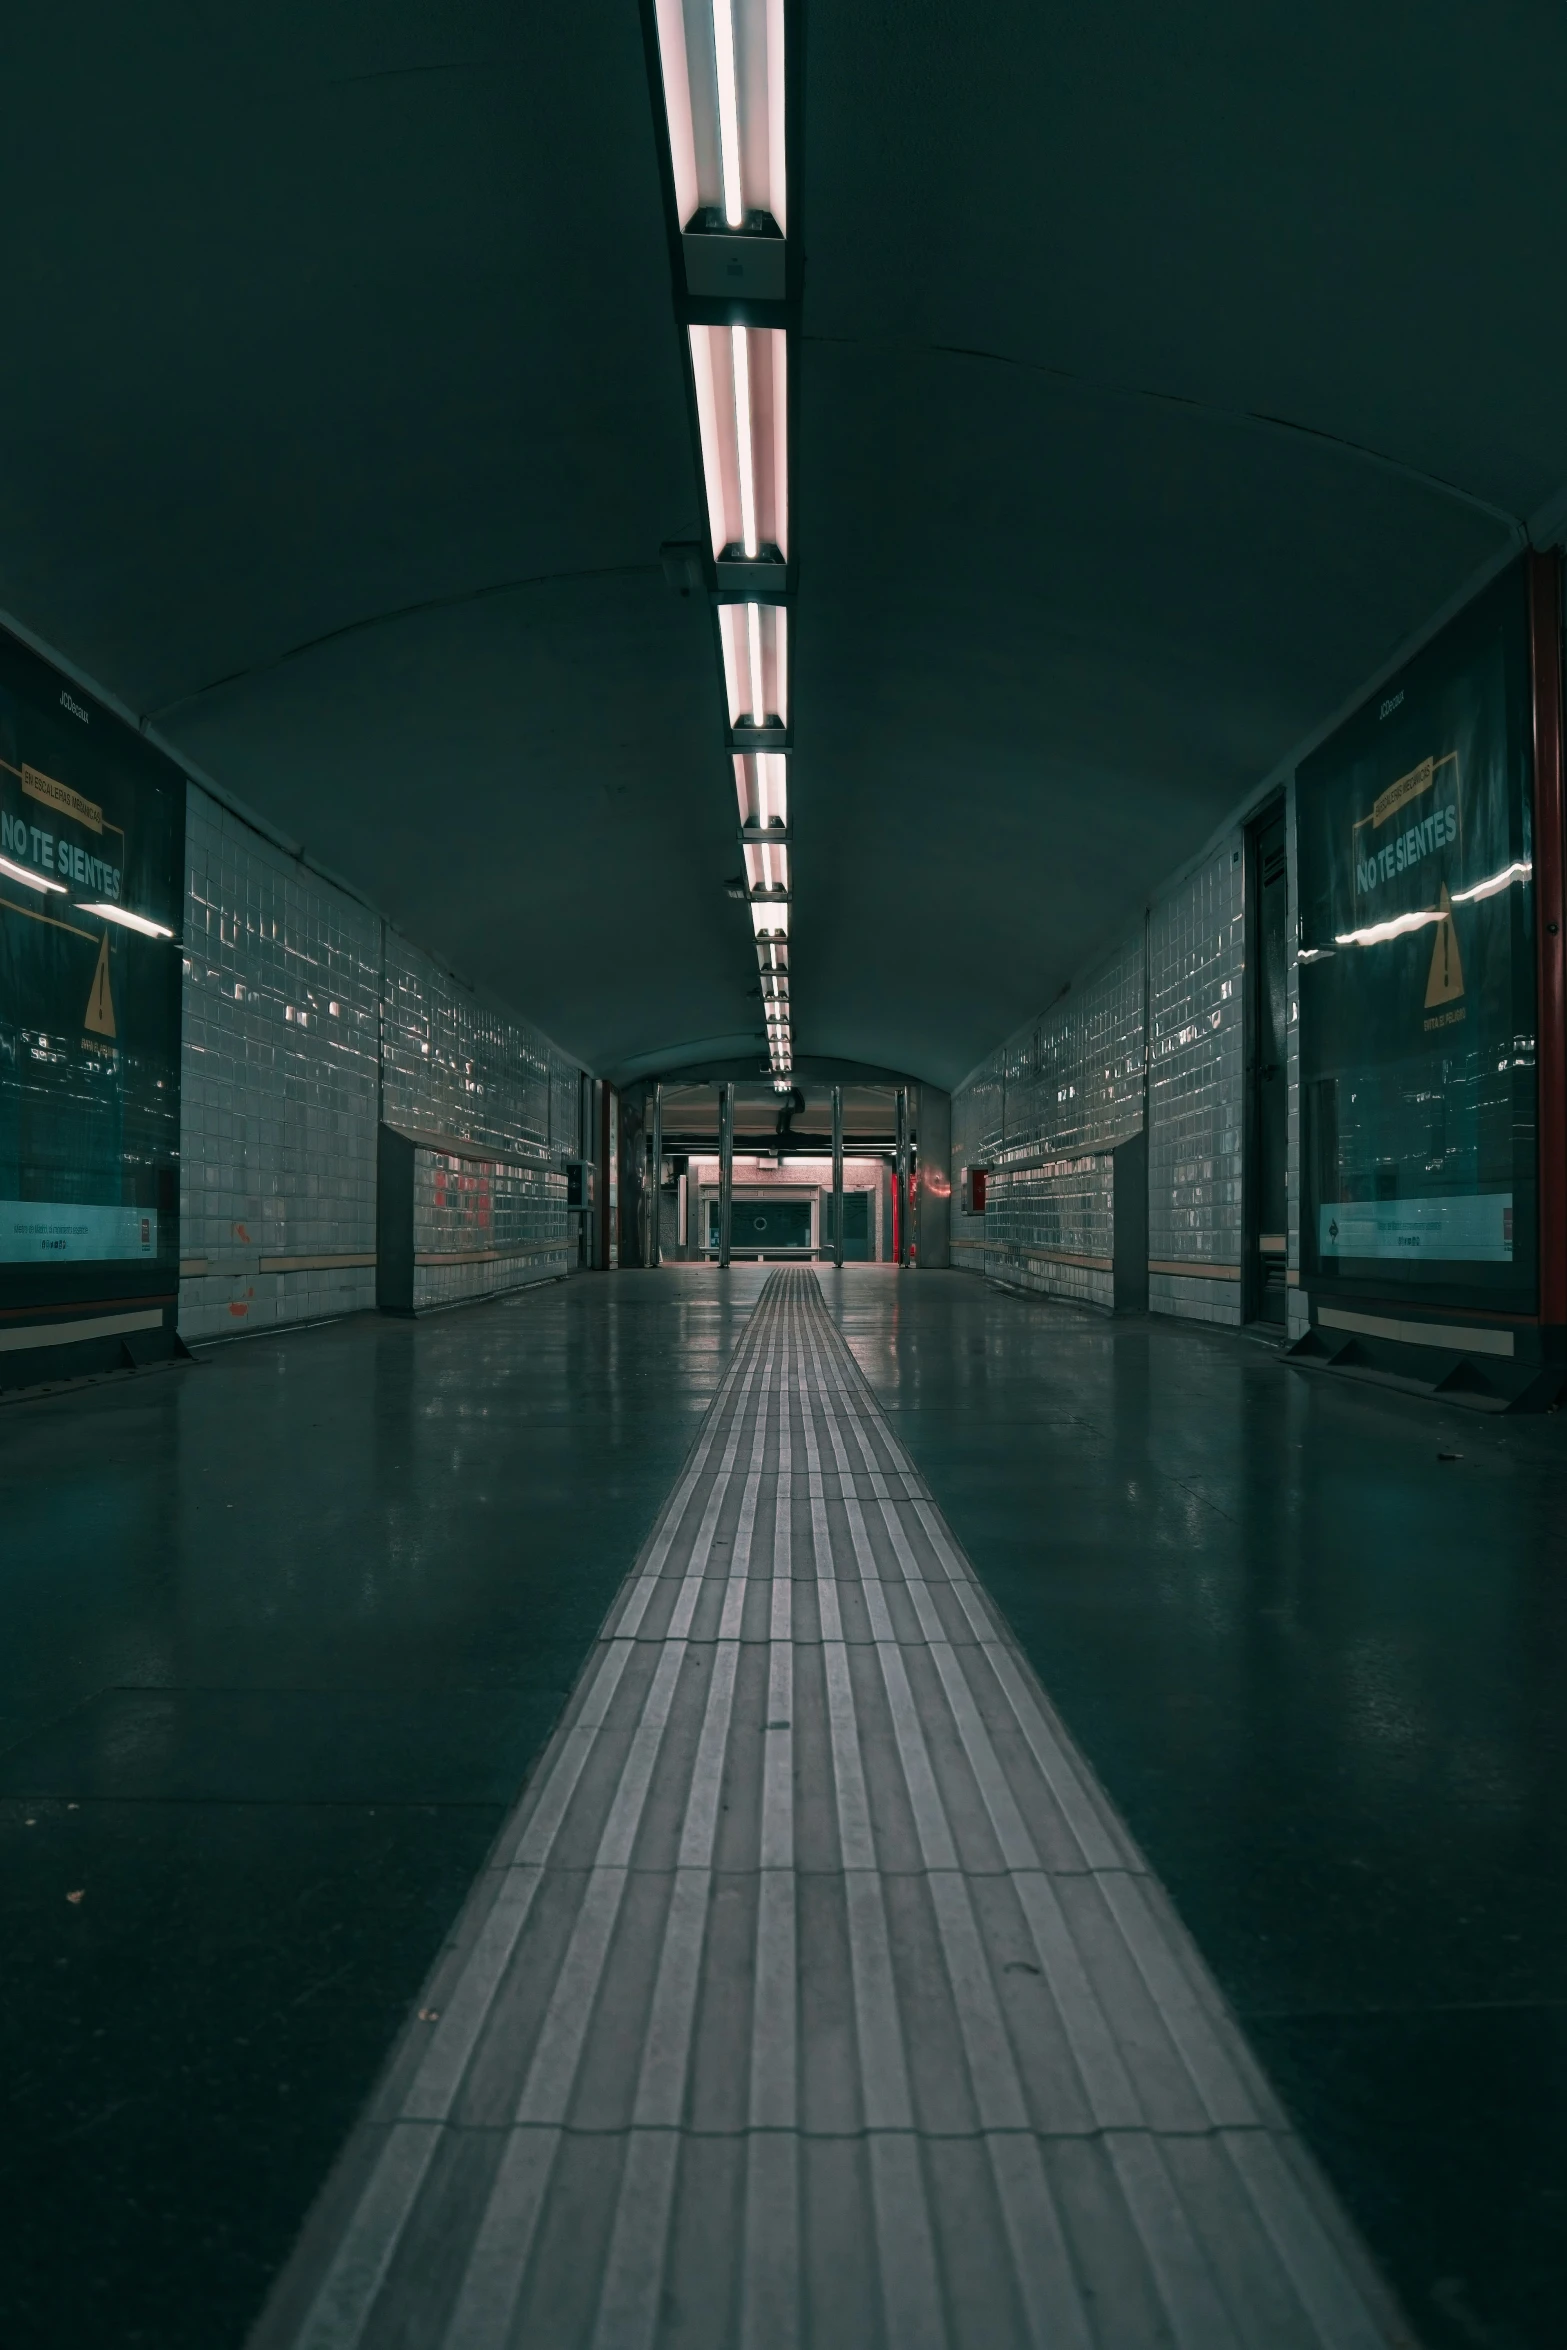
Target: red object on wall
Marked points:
1550	884
977	1177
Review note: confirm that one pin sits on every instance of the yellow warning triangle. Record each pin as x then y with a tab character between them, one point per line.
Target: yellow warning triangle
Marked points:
100	1003
1447	971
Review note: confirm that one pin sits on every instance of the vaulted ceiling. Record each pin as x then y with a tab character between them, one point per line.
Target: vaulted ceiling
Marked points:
1160	373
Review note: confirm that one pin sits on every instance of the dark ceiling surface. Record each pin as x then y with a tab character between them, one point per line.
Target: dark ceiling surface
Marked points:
1161	375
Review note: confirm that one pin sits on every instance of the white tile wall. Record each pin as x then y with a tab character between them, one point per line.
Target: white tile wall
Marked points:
1042	1114
283	1080
1073	1082
278	1086
1196	1088
504	1226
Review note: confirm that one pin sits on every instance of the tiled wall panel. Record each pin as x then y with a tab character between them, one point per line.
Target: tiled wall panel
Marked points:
1196	1090
289	1059
1042	1115
1052	1228
278	1086
496	1224
1072	1084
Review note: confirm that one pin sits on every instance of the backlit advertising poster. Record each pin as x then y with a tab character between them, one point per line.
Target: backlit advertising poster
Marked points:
92	827
1417	979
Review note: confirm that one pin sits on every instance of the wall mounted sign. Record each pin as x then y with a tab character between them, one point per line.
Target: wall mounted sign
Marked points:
92	825
1417	977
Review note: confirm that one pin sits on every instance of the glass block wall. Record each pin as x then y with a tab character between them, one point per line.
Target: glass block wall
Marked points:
1043	1114
306	1019
1043	1111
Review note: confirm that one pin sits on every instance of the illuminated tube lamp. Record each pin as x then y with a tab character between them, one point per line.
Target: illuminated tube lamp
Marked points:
770	917
762	791
767	867
127	919
755	639
740	374
772	789
28	878
722	65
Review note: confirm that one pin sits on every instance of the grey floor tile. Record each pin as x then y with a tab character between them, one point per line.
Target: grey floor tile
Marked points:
815	1993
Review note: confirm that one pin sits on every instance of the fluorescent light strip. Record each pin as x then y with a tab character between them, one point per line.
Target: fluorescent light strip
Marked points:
772	788
128	920
728	111
753	631
740	354
727	636
28	878
676	66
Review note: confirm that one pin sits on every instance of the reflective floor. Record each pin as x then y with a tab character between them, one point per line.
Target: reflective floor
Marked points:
1320	1668
812	1992
284	1631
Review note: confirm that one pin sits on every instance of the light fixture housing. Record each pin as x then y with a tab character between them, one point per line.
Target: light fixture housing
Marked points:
740	375
754	638
767	867
762	790
722	66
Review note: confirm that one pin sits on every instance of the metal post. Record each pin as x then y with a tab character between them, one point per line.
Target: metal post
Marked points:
655	1250
837	1176
726	1166
901	1175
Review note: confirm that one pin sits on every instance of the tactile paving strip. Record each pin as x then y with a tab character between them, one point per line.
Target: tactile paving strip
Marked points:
814	1993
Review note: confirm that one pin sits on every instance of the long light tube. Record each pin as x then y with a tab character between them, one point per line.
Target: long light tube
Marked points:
772	788
753	627
744	449
28	878
130	921
728	111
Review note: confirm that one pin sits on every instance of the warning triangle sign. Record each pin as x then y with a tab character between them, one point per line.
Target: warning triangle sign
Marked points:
1447	971
100	1003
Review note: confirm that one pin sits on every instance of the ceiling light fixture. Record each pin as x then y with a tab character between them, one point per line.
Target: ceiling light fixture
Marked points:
753	630
772	788
743	442
728	112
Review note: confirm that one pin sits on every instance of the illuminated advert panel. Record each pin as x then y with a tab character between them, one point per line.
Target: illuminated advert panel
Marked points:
92	827
1417	979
